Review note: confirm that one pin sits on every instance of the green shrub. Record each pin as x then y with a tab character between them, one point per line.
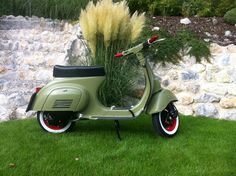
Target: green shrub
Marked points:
168	51
183	7
222	6
140	5
70	9
197	7
230	16
55	9
165	7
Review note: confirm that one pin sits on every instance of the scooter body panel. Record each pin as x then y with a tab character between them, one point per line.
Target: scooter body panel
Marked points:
66	94
160	100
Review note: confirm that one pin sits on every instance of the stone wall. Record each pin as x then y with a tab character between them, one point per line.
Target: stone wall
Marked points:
30	47
206	89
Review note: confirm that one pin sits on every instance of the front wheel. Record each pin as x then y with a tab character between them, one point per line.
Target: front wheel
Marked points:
55	122
166	122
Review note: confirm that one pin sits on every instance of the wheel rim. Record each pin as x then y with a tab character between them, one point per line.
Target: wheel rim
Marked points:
168	124
59	126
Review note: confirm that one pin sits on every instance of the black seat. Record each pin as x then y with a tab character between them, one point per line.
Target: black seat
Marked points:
77	71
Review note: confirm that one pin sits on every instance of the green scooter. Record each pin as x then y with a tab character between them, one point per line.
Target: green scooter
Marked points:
72	96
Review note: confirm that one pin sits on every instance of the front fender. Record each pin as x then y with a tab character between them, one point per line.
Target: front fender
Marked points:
159	101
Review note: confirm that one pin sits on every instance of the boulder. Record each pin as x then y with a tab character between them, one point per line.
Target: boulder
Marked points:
4	114
189	75
222	77
206	109
216	88
232	59
207	98
17	100
228	102
3	100
231	88
229	114
186	110
198	68
20	112
185	98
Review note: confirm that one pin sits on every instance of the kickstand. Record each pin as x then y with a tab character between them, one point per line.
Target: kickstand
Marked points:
117	126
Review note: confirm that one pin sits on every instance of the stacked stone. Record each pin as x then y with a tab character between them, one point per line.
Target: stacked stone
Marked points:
205	89
29	48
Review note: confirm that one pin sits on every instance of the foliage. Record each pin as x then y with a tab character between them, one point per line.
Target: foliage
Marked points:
55	9
196	7
230	16
221	7
165	7
184	7
70	9
109	28
195	47
170	50
93	149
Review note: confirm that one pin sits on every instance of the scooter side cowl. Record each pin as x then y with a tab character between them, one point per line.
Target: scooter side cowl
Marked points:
61	98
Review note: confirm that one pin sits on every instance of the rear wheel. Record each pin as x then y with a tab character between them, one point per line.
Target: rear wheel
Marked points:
166	122
55	122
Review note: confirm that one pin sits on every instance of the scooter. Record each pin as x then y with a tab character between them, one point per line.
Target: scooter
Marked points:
72	96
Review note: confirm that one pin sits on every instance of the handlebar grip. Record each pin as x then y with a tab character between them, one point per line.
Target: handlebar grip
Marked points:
117	55
152	39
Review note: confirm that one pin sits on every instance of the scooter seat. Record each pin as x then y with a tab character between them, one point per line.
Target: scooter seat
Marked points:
77	71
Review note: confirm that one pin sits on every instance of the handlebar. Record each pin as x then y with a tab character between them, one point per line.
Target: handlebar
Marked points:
152	39
139	47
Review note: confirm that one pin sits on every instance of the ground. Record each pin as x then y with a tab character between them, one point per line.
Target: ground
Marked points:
215	26
203	147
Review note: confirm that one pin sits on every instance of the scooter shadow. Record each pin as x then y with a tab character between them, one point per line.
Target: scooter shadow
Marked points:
127	127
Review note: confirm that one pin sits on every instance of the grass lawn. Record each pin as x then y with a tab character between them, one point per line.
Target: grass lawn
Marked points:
202	147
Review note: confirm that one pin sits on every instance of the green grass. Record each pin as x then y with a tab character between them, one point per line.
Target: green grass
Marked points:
202	147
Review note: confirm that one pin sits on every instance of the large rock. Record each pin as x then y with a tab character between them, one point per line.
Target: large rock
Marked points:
231	48
198	68
45	75
228	102
216	49
186	110
3	100
207	98
232	73
4	114
232	59
206	109
20	112
232	89
189	75
228	114
192	87
217	88
222	77
223	60
185	98
17	100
